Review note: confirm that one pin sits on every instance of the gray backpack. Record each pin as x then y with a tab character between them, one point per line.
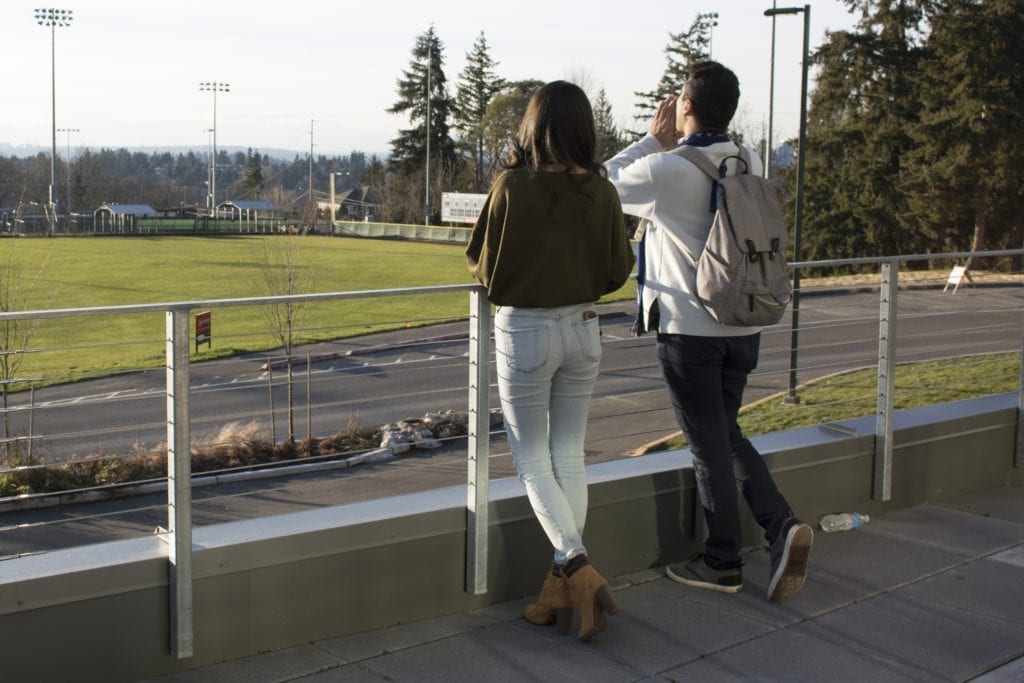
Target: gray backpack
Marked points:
741	274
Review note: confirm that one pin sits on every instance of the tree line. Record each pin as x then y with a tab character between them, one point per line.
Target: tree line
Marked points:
916	131
468	133
915	135
915	127
170	181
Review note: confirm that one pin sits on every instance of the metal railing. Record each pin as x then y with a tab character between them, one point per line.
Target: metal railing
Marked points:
178	534
888	306
178	409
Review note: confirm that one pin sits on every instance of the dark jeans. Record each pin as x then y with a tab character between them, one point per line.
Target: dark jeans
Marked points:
706	377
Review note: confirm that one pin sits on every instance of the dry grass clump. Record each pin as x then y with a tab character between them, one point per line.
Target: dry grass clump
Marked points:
237	445
353	437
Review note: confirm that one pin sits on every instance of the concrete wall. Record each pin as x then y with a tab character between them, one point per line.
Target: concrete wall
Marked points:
101	612
422	233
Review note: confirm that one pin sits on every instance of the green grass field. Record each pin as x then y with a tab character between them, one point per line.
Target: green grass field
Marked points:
111	271
852	394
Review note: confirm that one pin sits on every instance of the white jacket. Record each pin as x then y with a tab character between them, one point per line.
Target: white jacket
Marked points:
675	196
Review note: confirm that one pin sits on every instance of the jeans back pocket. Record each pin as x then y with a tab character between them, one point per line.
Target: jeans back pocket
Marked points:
588	335
523	344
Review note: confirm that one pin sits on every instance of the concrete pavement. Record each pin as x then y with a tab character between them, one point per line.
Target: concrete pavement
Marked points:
931	593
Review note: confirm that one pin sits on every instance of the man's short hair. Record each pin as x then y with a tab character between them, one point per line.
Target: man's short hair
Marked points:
714	91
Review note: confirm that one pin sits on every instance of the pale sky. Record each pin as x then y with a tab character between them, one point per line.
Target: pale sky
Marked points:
128	73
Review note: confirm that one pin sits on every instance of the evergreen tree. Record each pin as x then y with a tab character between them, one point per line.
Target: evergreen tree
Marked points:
859	120
478	83
963	177
253	180
409	149
683	49
11	182
609	139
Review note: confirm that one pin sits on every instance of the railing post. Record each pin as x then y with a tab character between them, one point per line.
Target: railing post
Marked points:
479	441
179	484
1018	456
885	406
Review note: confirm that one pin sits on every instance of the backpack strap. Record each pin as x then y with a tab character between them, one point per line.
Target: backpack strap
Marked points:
715	173
701	161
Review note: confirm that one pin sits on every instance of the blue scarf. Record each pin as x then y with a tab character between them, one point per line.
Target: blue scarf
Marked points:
639	328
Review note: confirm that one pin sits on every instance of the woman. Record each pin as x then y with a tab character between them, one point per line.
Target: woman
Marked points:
549	242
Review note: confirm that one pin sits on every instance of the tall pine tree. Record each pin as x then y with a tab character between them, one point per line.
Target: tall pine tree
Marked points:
478	83
963	176
683	49
609	138
409	149
859	122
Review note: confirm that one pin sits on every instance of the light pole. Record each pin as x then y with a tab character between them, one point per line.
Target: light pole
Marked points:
67	201
53	18
312	204
214	87
711	32
798	216
430	57
332	175
769	153
209	168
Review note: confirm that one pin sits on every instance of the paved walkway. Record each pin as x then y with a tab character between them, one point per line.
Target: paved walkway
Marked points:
933	593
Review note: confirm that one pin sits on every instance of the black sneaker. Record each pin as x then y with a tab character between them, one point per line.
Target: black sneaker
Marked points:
789	560
697	573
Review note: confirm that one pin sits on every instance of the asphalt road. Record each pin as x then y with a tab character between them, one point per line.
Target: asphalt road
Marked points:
378	379
383	380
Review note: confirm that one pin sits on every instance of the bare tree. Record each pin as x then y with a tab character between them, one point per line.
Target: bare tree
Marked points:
584	78
279	268
17	293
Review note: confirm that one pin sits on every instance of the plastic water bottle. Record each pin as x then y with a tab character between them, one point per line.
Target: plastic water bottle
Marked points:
843	521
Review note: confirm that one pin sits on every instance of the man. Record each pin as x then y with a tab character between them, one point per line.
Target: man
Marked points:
705	363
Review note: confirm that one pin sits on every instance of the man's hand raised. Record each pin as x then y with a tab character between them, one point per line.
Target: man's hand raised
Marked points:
663	126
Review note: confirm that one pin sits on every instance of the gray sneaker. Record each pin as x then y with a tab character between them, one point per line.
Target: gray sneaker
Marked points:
698	574
790	553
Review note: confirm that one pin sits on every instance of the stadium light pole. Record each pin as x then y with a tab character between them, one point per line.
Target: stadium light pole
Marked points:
798	216
214	87
711	33
53	17
67	201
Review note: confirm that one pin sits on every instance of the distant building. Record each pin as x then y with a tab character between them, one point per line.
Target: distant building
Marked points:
247	209
121	217
784	156
354	204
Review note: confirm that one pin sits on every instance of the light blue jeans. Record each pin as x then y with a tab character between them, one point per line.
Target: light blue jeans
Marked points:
547	362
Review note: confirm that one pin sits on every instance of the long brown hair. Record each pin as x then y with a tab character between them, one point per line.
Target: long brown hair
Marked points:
557	130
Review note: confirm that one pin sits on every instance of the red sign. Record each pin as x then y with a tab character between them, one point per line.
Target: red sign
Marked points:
204	327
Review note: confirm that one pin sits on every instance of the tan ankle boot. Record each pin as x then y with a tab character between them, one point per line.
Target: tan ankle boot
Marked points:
592	597
554	604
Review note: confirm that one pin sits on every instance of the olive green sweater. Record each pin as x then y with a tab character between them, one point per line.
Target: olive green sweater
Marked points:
546	239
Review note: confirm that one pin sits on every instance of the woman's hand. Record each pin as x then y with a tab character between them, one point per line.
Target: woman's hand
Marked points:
663	126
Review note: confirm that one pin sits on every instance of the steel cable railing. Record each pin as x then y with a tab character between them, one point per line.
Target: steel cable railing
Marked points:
842	328
322	379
